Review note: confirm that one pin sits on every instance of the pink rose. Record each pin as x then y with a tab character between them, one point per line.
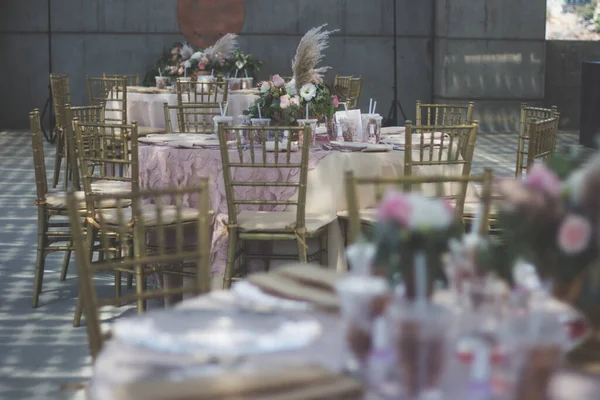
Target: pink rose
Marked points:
574	234
336	101
278	81
180	71
201	65
395	206
173	69
543	179
295	100
284	102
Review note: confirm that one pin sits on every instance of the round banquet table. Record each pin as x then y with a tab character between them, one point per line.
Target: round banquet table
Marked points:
119	363
146	105
163	166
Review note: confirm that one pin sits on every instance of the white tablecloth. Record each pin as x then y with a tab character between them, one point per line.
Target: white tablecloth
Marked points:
146	106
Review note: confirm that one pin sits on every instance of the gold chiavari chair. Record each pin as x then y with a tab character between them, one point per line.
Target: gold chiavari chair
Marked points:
191	118
210	93
357	218
349	88
122	233
61	95
444	114
528	115
541	143
84	114
112	93
50	205
132	79
107	165
453	147
265	222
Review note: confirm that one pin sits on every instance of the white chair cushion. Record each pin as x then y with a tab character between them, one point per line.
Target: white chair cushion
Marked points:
58	200
258	221
148	130
368	215
108	186
150	215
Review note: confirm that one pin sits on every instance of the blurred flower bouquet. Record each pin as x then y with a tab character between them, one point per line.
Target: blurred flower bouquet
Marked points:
242	64
410	224
305	96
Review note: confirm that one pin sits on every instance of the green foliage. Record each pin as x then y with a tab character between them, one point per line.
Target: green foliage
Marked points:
586	11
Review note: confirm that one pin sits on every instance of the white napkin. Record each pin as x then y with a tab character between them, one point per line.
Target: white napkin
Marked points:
246	294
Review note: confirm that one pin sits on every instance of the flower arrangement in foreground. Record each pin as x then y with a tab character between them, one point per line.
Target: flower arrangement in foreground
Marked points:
305	96
410	224
550	219
184	60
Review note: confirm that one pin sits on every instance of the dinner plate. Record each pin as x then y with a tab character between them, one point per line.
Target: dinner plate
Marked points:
378	148
355	146
156	140
181	136
217	333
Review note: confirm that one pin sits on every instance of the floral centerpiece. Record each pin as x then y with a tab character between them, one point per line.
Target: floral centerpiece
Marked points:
242	64
410	224
305	96
184	60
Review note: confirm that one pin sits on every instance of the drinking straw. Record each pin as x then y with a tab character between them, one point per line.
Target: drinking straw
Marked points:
370	105
160	72
225	110
212	72
476	225
346	108
236	72
306	110
259	113
374	107
185	72
420	278
221	109
246	72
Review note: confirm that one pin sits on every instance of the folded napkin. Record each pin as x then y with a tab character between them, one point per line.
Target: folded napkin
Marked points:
281	383
246	294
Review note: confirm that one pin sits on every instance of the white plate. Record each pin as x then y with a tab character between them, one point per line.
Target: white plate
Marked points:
356	146
208	332
193	143
270	146
180	136
378	148
152	140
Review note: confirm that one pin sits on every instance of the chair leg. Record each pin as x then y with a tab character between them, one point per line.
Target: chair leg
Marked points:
66	260
323	249
139	288
78	312
43	221
91	239
67	170
302	250
129	281
231	250
267	249
57	158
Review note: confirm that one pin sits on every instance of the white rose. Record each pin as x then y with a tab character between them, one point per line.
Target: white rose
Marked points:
308	91
290	88
265	87
197	56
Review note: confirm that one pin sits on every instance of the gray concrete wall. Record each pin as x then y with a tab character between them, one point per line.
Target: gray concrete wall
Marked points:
126	36
563	76
491	52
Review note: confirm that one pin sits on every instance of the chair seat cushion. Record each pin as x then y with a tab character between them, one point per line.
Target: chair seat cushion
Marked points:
108	186
268	221
150	215
58	200
368	215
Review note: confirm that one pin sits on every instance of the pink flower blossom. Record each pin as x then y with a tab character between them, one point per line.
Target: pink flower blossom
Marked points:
543	179
173	69
202	65
295	100
284	101
336	101
278	81
180	71
395	206
574	234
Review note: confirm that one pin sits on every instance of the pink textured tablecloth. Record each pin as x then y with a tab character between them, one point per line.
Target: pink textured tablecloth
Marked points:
162	167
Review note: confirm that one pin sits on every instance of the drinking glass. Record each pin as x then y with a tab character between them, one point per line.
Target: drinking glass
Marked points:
313	126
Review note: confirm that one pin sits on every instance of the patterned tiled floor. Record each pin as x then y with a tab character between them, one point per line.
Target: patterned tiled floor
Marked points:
39	348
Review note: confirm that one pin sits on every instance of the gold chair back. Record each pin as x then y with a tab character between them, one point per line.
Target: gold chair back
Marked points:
541	143
84	114
132	79
108	153
349	88
250	145
61	95
121	236
382	184
453	146
444	114
112	93
210	93
191	118
39	162
529	114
